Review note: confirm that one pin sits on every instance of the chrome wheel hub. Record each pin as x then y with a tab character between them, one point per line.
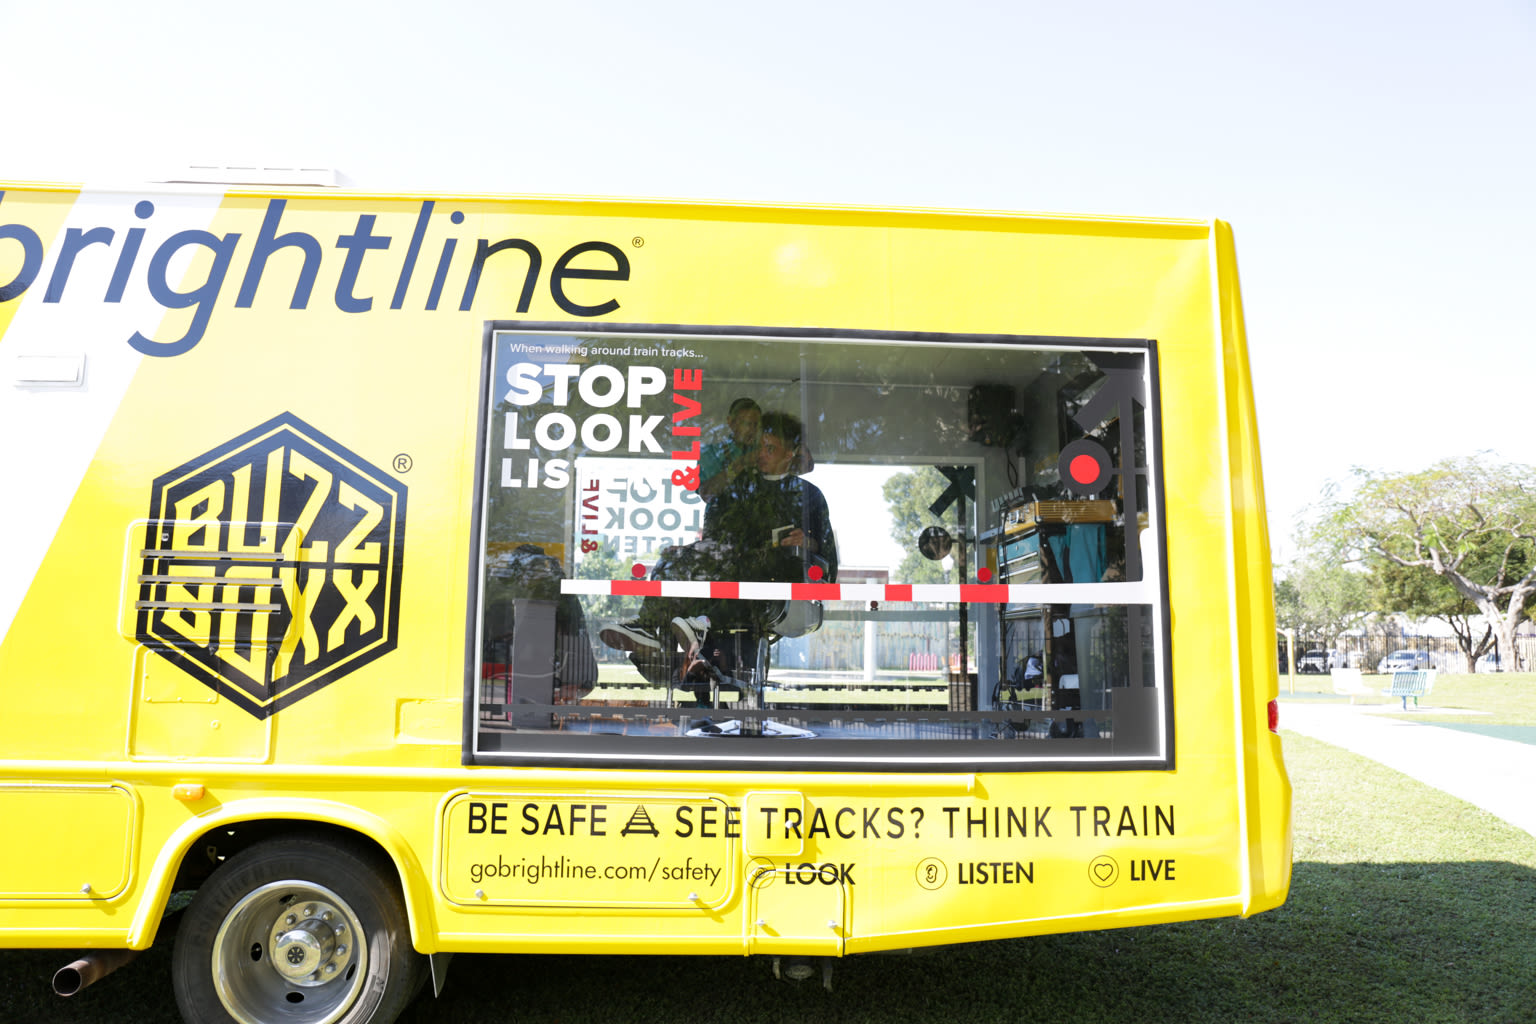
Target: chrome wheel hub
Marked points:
309	943
292	951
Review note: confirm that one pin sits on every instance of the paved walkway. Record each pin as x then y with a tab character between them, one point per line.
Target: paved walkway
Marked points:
1498	775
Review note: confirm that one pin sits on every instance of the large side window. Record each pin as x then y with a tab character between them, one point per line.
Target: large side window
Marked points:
874	551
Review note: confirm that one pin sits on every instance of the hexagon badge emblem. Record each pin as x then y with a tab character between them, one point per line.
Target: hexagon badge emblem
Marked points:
271	565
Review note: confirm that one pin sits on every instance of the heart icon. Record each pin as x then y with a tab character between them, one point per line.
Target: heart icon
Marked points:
1103	871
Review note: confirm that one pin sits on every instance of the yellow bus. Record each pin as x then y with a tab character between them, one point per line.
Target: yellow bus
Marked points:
394	576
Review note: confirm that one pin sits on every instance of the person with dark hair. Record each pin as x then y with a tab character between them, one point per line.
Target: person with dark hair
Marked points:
776	516
723	461
770	524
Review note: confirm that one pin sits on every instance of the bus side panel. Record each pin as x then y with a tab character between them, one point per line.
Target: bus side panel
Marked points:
357	387
1267	789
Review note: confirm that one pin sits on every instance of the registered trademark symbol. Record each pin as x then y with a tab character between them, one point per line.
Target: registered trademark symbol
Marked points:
403	463
637	241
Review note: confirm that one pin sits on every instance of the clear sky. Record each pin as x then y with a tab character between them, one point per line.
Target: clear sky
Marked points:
1376	159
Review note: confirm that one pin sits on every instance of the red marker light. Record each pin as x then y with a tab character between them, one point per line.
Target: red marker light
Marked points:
984	575
1084	466
638	571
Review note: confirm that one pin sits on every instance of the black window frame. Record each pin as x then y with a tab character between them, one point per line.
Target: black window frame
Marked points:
542	750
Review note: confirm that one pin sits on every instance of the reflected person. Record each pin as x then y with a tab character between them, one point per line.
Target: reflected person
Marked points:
769	524
721	462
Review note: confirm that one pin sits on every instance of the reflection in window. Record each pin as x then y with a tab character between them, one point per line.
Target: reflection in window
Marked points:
841	546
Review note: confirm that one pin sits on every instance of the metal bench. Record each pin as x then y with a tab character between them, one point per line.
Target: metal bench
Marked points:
1411	684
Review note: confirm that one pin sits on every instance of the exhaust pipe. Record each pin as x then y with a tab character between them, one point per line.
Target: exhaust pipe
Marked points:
89	969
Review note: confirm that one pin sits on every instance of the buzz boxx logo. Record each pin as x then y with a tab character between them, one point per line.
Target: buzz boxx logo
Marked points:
272	565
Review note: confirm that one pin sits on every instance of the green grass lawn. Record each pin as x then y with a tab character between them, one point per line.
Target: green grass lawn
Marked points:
1506	698
1407	907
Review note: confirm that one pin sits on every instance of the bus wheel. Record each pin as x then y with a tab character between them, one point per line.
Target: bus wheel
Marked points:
302	931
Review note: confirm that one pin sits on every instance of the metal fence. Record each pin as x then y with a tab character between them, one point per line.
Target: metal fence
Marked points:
838	645
899	646
1445	653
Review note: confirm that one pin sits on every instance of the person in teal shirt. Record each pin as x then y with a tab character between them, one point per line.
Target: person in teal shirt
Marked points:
723	461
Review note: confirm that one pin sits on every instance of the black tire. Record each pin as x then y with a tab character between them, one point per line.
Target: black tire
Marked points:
247	942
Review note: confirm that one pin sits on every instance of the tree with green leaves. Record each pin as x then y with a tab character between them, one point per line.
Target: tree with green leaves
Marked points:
1470	522
1424	595
908	496
1319	596
604	564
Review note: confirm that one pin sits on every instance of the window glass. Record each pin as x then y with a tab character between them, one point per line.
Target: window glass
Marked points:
853	550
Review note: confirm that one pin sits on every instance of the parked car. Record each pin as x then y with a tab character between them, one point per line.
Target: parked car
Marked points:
1320	661
1405	661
